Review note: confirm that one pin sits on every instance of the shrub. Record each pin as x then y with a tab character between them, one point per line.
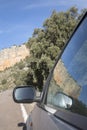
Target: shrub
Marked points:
4	81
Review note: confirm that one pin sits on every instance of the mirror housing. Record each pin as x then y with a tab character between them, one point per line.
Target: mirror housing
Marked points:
24	94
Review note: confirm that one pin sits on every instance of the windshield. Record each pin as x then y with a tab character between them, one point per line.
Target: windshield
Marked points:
70	73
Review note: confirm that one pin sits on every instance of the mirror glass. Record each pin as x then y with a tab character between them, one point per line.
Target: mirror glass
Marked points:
24	94
62	100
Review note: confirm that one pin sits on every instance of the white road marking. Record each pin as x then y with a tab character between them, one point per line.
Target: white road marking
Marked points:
24	113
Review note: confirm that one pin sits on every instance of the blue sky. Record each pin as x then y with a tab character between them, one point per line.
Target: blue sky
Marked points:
18	18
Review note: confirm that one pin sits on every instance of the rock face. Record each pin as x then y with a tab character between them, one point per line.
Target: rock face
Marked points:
66	81
13	55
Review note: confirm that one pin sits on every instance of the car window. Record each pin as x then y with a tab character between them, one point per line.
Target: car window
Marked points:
70	75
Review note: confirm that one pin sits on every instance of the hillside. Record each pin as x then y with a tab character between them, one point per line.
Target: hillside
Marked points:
65	80
45	45
13	66
13	55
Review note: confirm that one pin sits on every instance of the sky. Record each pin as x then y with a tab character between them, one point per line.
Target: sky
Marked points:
19	18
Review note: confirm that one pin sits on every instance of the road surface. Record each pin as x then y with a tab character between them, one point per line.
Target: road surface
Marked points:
12	115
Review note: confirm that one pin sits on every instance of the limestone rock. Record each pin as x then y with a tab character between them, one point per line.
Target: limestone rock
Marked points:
13	55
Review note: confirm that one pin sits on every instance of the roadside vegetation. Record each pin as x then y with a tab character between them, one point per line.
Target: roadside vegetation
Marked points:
45	45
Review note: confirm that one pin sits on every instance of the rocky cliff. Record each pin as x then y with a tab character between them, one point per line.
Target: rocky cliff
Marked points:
66	81
13	55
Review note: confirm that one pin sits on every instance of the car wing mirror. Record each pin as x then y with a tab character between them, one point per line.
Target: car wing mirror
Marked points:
24	94
62	100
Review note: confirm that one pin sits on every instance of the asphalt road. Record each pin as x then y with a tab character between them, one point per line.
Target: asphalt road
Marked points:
11	116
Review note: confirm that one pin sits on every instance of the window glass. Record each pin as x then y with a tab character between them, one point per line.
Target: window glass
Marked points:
70	75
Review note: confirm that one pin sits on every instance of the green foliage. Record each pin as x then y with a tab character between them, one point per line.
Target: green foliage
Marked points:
59	26
37	50
4	81
52	52
19	77
38	71
47	43
20	65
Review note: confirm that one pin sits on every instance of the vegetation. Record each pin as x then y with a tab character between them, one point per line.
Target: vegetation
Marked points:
45	45
47	42
4	81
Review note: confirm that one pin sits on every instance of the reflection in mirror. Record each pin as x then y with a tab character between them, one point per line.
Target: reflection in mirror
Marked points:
70	74
62	100
24	94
